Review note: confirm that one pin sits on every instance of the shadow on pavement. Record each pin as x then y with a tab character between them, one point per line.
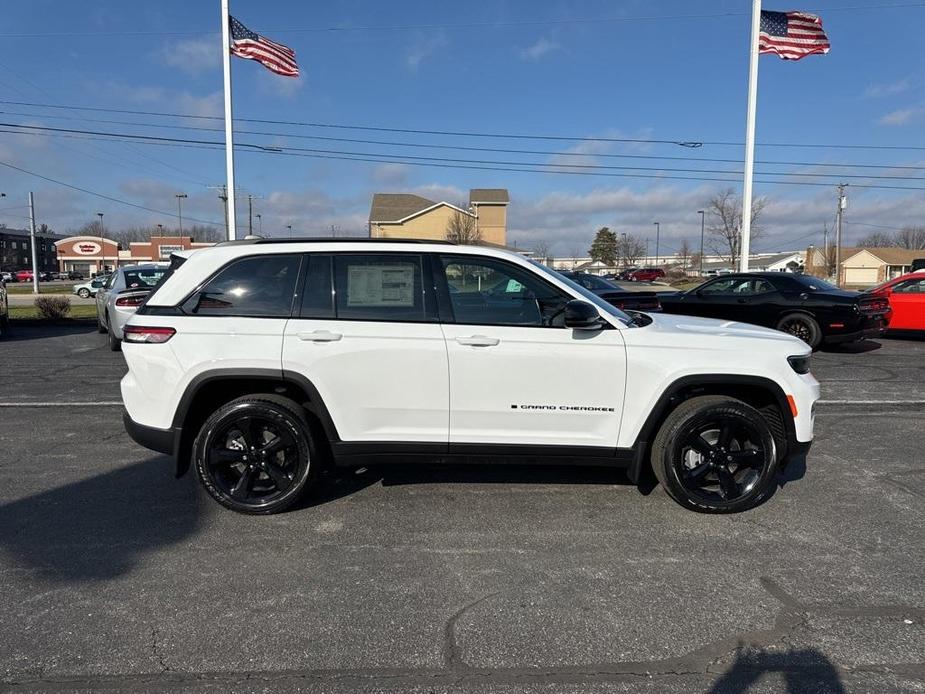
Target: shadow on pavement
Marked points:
98	528
803	671
852	347
342	482
20	331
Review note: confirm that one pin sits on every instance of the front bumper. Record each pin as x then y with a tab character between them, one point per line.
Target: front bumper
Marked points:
796	450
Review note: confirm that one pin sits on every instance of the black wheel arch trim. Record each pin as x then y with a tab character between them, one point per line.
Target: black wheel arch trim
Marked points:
315	405
666	403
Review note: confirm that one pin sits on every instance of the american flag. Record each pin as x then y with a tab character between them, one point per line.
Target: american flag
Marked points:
273	56
792	35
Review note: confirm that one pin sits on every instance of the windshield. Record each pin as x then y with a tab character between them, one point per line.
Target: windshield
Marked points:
587	295
594	282
814	283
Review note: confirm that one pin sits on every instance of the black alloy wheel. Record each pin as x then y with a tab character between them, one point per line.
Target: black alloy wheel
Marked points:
716	454
253	454
803	327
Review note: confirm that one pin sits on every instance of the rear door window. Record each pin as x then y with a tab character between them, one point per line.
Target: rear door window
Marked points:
380	287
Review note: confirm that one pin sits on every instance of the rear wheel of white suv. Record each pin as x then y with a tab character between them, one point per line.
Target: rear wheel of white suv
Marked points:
254	454
716	454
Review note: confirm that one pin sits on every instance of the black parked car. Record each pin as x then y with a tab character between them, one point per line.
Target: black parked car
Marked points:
614	293
806	307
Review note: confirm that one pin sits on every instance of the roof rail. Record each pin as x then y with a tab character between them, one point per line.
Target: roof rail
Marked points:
327	239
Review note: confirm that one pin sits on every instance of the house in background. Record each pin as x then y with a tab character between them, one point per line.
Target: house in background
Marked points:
407	216
866	267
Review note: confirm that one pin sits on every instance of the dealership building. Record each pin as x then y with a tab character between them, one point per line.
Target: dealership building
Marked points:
92	255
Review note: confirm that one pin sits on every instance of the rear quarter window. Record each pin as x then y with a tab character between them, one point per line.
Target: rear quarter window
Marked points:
259	286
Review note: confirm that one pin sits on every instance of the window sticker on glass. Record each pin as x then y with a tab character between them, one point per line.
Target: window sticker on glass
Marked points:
381	285
513	287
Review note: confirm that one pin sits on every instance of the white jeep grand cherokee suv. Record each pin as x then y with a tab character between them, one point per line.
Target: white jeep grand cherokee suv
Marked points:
259	361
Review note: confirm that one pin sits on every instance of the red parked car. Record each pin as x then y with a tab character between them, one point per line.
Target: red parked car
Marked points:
24	275
907	299
646	274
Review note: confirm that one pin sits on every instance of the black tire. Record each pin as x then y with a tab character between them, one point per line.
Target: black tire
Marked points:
281	466
115	344
716	454
802	326
83	293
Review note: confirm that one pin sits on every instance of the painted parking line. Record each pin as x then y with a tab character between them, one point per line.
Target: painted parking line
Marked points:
870	402
102	403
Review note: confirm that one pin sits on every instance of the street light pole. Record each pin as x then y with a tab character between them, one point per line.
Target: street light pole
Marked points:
657	230
102	247
289	227
259	223
702	214
180	197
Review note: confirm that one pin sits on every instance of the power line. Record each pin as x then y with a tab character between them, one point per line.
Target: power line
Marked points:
536	166
102	195
455	25
422	145
451	133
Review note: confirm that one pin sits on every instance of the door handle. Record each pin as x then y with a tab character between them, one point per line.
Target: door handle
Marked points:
320	336
743	301
478	341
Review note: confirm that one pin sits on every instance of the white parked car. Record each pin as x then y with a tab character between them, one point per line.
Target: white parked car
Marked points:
252	359
87	289
122	293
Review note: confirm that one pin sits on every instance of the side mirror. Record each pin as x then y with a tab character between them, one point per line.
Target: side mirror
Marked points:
581	315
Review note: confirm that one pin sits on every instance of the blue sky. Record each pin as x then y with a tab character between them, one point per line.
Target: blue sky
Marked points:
665	70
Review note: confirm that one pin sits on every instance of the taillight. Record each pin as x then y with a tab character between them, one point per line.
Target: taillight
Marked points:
151	336
130	301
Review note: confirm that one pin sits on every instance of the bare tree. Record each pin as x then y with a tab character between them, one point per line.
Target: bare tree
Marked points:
725	230
912	238
541	252
876	239
463	229
632	248
684	253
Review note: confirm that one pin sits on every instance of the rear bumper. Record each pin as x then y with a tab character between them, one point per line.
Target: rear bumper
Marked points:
871	329
160	440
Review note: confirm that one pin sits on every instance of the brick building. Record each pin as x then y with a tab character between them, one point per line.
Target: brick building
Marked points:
91	255
16	250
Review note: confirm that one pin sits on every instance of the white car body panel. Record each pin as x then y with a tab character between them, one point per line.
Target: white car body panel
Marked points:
378	383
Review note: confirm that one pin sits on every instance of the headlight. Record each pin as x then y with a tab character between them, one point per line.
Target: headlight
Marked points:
801	363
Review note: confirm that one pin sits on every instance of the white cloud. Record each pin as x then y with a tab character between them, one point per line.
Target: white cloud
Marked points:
887	89
391	174
193	56
902	116
540	49
179	101
423	49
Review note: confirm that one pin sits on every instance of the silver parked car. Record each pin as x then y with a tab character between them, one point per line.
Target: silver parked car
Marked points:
122	294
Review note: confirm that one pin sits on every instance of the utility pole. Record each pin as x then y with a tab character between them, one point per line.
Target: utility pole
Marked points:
250	214
35	262
289	227
839	213
658	228
702	214
102	247
259	223
224	198
180	197
825	246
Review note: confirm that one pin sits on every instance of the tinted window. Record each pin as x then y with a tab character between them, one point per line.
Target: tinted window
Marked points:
813	283
916	286
318	292
491	292
723	286
379	287
261	286
143	278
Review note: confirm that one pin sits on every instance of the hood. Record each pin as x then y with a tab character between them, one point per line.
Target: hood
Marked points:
705	327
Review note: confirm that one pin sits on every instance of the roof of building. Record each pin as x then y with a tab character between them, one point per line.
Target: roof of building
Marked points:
26	232
391	207
489	195
890	256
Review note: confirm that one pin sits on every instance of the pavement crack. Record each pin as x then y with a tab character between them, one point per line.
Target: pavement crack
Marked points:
452	656
155	651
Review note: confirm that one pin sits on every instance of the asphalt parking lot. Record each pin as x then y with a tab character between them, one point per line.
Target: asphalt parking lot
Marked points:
116	576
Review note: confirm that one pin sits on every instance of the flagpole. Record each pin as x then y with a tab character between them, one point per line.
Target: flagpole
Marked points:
229	134
746	230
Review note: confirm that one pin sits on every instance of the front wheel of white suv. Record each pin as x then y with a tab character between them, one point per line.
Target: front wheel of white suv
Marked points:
716	454
254	454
